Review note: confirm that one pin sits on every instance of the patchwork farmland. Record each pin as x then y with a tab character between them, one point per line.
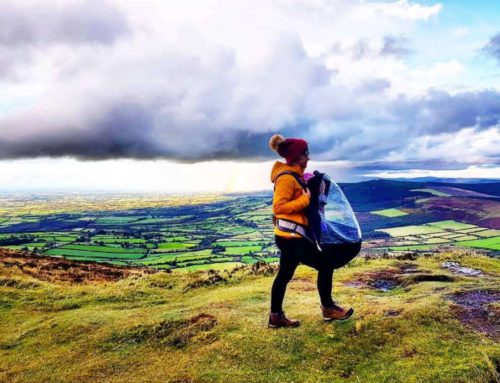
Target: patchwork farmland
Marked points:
223	231
454	233
206	233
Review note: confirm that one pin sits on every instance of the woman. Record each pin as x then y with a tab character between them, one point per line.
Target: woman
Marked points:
289	203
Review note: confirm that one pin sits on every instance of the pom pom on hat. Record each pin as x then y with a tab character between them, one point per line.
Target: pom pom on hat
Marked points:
275	141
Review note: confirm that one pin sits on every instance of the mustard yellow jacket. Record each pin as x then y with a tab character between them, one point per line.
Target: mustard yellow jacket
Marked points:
289	202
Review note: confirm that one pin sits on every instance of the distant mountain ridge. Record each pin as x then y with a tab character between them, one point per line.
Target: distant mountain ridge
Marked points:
449	180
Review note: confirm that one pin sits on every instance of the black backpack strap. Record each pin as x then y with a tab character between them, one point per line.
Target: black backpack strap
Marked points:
294	175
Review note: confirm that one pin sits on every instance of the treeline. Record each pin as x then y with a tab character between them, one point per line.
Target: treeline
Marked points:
17	240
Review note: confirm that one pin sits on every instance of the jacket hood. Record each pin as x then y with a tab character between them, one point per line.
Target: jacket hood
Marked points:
280	167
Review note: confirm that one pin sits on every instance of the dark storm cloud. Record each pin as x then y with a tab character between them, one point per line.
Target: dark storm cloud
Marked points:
90	21
493	47
202	107
440	111
395	46
180	107
118	133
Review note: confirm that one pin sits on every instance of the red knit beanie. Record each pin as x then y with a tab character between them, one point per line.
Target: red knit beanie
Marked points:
290	148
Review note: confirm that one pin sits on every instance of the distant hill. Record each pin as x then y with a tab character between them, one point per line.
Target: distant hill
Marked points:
448	180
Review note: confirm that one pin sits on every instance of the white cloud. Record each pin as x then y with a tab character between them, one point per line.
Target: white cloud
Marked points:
473	171
464	146
408	10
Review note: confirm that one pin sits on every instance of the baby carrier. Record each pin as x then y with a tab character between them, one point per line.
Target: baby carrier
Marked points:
333	227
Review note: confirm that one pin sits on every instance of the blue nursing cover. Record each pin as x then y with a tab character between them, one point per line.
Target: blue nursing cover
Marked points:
332	220
338	223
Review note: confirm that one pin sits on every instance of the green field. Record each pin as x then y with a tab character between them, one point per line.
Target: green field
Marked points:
176	239
237	243
94	254
464	238
161	258
432	191
102	249
452	225
211	266
240	250
174	245
488	243
410	230
389	213
117	220
113	239
424	237
488	233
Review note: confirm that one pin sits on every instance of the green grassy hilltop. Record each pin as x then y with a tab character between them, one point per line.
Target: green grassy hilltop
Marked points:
426	319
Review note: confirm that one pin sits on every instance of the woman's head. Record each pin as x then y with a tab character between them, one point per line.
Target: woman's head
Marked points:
294	150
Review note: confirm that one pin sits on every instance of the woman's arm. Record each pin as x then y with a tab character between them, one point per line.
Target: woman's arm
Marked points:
282	200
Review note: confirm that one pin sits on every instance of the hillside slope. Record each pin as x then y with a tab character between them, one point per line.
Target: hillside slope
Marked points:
417	320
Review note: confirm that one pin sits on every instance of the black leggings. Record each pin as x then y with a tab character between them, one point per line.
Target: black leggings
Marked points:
300	250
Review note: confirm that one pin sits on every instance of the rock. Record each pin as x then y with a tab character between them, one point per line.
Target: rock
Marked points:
456	268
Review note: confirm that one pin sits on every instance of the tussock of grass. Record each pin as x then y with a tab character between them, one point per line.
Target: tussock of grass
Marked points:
175	333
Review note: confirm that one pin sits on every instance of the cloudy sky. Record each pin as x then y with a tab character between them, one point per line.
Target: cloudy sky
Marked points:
156	95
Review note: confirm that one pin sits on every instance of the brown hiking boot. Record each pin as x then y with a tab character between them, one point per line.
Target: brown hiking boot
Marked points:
280	320
336	313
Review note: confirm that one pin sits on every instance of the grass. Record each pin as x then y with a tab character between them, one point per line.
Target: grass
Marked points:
211	327
431	191
389	213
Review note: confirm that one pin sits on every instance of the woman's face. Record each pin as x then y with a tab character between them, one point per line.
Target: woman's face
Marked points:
303	159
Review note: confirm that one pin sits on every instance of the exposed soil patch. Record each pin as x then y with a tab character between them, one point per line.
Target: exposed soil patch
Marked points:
208	278
263	268
455	267
303	284
355	284
392	313
408	268
389	279
430	278
58	269
383	280
475	309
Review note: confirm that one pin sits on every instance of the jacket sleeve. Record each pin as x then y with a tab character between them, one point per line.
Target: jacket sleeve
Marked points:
282	200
